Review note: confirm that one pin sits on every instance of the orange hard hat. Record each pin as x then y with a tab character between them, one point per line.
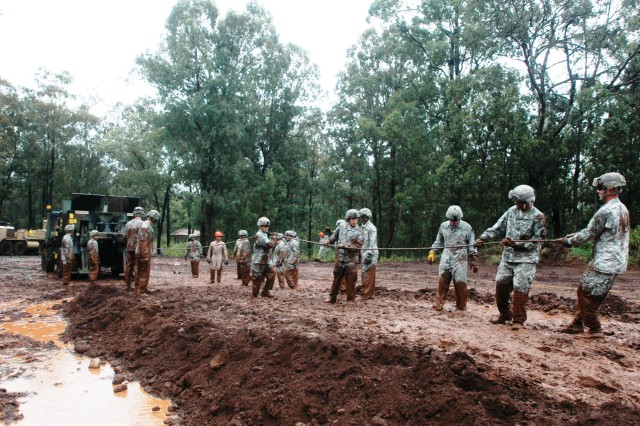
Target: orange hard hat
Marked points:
321	234
218	234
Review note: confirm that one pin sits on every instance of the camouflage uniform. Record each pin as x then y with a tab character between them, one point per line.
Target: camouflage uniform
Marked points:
131	230
194	254
66	257
94	259
349	239
216	255
291	258
262	268
234	255
323	252
369	259
242	253
278	261
454	261
518	265
609	229
144	249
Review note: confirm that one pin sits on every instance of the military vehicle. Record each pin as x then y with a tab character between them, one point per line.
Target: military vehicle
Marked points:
20	241
86	212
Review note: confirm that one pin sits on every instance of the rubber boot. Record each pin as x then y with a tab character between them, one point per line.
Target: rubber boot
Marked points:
589	306
519	308
443	289
461	295
502	301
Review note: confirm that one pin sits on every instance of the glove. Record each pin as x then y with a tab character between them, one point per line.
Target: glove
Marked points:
368	258
508	242
226	262
432	257
567	242
209	261
279	263
479	242
473	263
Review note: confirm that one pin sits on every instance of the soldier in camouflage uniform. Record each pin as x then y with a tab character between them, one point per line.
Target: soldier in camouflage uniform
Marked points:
262	268
290	259
93	255
519	259
234	255
66	254
144	249
349	241
369	254
131	230
277	258
609	230
242	254
458	238
323	251
194	254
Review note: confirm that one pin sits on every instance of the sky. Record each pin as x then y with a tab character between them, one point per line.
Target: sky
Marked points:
97	41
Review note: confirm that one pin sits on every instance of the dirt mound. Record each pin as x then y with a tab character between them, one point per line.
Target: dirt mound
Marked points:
217	373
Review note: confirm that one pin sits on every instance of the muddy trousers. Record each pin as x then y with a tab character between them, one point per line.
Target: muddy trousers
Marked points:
342	270
245	273
94	269
280	276
142	277
519	313
443	288
130	268
368	289
239	269
195	268
215	275
291	277
66	272
260	274
586	312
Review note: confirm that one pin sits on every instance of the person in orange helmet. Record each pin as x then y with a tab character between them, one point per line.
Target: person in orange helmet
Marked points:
323	252
216	255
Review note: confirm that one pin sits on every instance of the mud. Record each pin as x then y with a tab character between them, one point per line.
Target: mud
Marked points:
225	358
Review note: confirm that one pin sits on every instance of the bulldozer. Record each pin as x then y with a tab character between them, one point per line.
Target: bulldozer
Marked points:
86	212
19	242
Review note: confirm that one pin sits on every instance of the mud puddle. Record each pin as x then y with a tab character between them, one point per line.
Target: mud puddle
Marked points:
61	387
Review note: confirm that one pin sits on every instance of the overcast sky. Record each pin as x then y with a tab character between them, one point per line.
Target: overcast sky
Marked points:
97	41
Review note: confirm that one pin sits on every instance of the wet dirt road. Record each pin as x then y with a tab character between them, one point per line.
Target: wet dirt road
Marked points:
224	357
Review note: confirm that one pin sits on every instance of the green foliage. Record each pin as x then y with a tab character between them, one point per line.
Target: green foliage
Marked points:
634	246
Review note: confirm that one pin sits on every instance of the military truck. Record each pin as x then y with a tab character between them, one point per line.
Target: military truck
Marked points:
86	212
19	242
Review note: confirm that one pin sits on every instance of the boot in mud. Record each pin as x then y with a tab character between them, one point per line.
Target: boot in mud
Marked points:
461	296
501	319
519	309
443	289
574	327
502	302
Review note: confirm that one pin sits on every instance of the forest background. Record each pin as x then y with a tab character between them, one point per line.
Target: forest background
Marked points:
439	103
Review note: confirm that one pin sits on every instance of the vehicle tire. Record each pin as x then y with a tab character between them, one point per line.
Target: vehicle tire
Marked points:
19	248
6	248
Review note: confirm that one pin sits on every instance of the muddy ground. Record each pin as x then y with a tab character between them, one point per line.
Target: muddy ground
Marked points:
225	358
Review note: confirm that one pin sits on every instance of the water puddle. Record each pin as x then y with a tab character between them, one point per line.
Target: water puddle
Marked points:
61	388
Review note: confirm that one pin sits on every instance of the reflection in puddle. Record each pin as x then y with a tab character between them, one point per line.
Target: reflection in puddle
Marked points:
63	390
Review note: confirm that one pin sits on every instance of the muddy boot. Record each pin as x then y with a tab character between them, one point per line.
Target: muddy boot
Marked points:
519	308
502	301
219	275
256	284
443	289
590	334
212	276
461	296
575	327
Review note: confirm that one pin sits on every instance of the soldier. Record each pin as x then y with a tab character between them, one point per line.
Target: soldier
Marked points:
193	254
216	255
262	268
131	230
291	258
369	255
242	254
519	258
323	251
456	237
277	258
609	230
349	240
66	254
234	255
93	255
144	249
